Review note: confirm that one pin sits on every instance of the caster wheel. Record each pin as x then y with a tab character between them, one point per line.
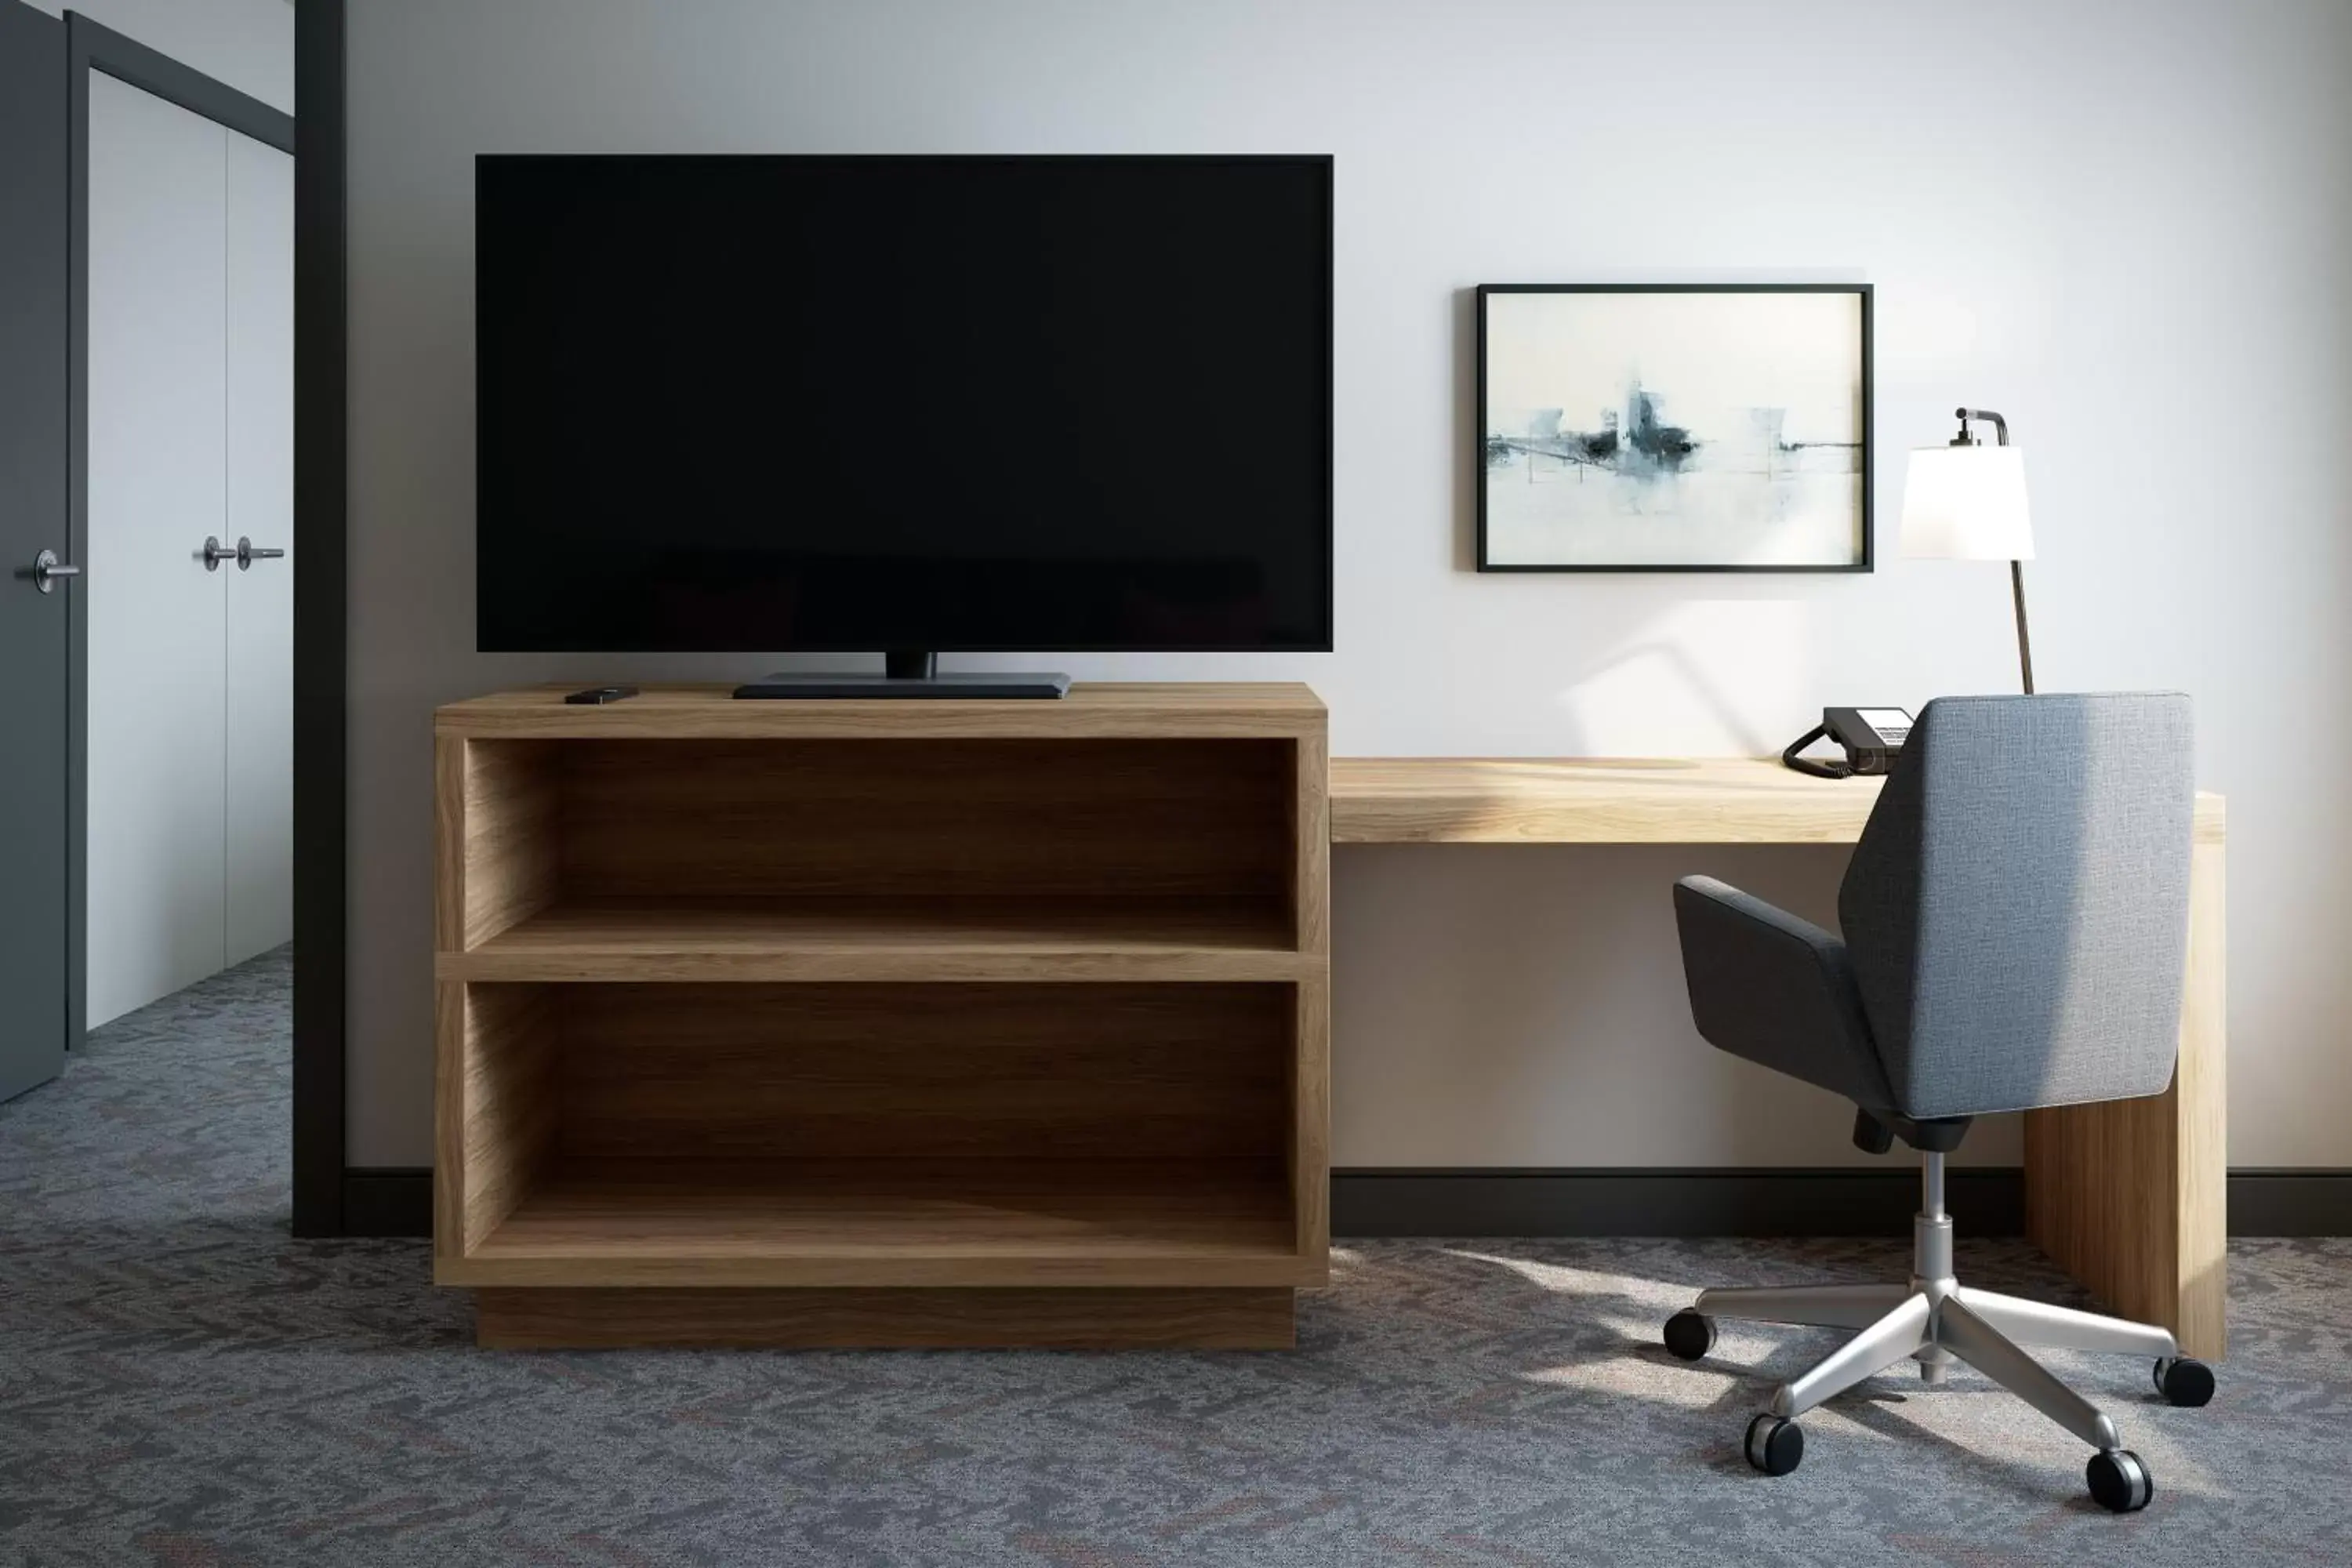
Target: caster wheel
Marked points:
2119	1482
2182	1380
1690	1335
1775	1446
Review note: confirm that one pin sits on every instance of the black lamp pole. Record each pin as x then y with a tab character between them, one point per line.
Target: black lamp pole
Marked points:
2016	568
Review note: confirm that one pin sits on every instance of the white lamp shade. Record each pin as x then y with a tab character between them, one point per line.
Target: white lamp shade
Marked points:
1966	503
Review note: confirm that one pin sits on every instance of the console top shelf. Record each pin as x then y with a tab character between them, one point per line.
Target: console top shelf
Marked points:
1124	833
709	712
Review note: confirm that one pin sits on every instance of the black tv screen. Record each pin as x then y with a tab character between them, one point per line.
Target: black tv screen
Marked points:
755	403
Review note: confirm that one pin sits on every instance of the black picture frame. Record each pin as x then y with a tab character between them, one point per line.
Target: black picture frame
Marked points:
1864	562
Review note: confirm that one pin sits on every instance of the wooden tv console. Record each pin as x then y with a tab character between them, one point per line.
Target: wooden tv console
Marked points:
883	1021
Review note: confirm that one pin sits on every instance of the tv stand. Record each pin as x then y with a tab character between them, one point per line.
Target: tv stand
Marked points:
913	674
838	1023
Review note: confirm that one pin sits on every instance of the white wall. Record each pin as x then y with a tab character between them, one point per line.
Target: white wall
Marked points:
2127	226
249	44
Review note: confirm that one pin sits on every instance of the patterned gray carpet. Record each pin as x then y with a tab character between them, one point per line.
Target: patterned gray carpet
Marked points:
182	1385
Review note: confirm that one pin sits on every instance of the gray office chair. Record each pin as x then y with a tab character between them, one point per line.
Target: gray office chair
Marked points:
2016	921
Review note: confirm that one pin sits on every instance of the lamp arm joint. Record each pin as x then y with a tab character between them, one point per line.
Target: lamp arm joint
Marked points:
2000	426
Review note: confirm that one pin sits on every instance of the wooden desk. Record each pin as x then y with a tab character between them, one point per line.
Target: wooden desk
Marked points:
2127	1195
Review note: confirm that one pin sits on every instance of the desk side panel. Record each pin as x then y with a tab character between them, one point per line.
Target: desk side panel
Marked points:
2130	1196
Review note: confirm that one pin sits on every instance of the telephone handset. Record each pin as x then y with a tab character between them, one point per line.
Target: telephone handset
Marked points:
1872	738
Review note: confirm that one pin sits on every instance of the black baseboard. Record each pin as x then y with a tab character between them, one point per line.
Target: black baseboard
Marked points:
1617	1201
1776	1201
2290	1203
1613	1201
387	1200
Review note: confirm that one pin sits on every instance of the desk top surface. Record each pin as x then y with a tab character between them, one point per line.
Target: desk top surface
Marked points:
1609	800
1374	800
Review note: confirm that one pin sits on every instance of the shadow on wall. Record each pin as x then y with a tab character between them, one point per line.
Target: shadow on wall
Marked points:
1658	671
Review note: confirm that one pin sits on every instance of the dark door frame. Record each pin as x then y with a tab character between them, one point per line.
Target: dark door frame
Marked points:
318	620
315	143
34	613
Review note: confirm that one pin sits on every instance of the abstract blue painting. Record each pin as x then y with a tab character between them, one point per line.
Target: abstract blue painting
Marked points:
1674	428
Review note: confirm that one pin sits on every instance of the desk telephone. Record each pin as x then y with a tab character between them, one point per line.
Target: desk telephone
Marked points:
1872	738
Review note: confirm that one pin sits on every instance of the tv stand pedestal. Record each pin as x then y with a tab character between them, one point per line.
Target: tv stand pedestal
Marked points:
886	1024
910	674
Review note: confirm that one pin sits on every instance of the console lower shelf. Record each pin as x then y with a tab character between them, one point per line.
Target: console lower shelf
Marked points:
680	1222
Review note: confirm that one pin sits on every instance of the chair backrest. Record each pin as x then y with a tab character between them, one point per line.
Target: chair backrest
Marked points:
2017	910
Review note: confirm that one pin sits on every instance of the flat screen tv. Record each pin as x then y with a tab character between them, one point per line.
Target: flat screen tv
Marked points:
907	404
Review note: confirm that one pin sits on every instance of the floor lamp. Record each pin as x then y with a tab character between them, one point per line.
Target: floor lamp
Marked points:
1965	501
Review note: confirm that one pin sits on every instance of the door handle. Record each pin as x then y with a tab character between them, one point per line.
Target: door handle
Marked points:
246	553
47	569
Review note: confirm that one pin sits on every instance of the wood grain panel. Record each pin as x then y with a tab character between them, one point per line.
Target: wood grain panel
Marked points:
506	1113
1537	800
2130	1196
2201	1125
1310	841
450	1234
643	1222
558	1318
904	939
1310	1106
926	1072
448	844
1097	710
925	818
508	821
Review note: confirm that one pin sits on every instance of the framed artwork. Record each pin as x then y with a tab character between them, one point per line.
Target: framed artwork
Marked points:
1674	427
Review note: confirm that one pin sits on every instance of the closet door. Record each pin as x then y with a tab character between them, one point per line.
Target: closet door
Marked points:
259	687
158	338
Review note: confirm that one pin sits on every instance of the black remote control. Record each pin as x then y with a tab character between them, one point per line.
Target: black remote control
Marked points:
601	694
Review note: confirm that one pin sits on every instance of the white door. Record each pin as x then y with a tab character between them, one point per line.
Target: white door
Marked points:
157	478
259	682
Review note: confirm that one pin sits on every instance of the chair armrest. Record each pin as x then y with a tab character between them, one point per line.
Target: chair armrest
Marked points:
1777	990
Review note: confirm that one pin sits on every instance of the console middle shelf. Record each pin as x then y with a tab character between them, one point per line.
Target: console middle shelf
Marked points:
891	939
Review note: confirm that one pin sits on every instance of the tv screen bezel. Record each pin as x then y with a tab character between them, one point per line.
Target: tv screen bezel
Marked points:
1320	164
